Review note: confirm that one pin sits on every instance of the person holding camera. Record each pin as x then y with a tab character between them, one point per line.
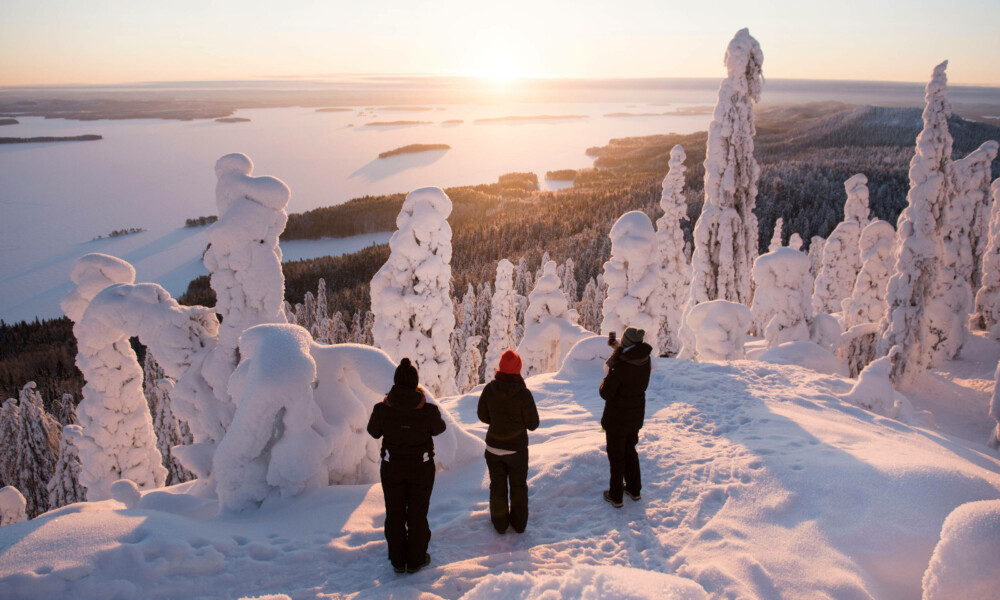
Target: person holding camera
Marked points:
624	392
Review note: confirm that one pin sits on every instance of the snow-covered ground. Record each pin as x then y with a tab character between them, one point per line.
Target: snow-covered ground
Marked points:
758	482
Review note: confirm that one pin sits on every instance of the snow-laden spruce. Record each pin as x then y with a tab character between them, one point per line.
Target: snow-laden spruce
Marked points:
64	486
873	391
29	439
169	431
118	440
905	334
633	276
776	236
465	327
469	365
244	262
725	236
302	408
987	314
795	243
841	260
550	326
675	272
953	299
716	330
972	189
503	316
410	293
864	310
781	304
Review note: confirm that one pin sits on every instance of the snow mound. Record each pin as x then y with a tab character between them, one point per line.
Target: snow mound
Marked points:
719	330
12	505
966	562
804	354
873	391
585	358
593	583
126	492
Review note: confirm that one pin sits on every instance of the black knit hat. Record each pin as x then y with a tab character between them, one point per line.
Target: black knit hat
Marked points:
406	375
633	336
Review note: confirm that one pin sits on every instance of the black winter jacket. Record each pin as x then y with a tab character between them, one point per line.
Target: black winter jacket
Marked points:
405	421
624	389
508	407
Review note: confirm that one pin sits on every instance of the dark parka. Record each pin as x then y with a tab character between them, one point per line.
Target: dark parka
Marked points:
508	407
406	422
624	389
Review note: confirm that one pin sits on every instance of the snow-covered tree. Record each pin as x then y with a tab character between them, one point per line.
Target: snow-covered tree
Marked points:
781	303
64	485
905	333
987	314
995	410
841	260
972	188
413	310
465	324
244	262
675	272
550	326
776	236
324	328
795	243
725	236
29	437
524	281
866	306
469	365
952	299
503	316
591	304
816	244
633	276
169	431
568	276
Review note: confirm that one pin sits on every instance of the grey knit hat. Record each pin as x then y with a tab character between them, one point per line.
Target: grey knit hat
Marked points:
633	336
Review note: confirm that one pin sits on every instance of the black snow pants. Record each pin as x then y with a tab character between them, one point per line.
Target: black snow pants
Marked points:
512	470
407	489
624	461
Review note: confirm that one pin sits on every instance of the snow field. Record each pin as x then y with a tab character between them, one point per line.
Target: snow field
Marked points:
758	481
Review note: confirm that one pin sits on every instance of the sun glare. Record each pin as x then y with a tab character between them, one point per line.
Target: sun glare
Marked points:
500	69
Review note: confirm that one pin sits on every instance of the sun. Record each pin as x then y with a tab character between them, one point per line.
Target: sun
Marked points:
500	69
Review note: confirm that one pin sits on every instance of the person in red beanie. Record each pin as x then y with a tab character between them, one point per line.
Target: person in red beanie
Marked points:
508	407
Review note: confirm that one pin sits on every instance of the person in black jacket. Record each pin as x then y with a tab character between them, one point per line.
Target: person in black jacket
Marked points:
406	422
624	392
509	409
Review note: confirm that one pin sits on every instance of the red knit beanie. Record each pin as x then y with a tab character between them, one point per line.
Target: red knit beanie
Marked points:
510	363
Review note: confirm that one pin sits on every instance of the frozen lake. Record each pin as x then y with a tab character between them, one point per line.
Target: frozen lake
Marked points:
153	174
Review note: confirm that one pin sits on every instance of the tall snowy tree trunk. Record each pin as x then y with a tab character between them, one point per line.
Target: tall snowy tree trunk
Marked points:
503	317
906	334
725	235
988	297
675	272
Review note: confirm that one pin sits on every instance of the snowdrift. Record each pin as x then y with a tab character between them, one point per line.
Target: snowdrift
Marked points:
758	482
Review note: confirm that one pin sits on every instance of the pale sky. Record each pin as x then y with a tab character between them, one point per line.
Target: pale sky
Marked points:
46	42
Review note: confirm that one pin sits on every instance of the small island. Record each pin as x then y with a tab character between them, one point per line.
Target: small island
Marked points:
232	120
413	148
334	110
200	221
8	121
530	118
38	140
120	233
395	123
452	122
561	175
405	108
